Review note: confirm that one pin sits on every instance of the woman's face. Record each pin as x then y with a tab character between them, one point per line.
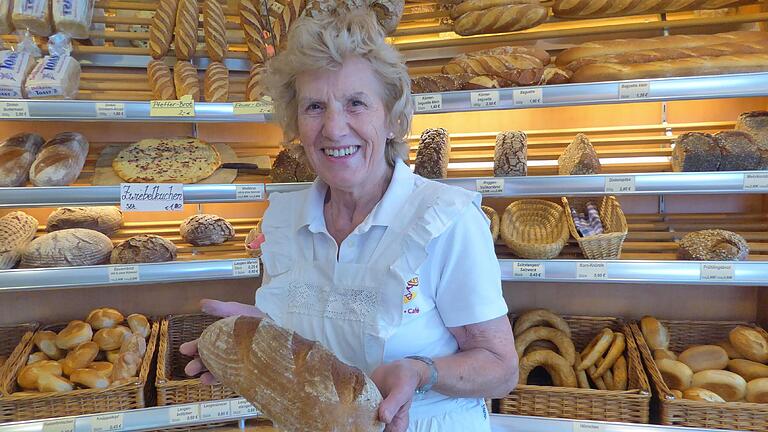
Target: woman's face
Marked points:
343	124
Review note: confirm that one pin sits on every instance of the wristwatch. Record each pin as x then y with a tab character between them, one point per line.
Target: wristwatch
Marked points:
432	373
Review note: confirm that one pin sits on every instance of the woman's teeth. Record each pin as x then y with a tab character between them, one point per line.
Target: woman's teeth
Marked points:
346	151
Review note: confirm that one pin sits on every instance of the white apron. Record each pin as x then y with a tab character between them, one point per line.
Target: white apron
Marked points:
354	309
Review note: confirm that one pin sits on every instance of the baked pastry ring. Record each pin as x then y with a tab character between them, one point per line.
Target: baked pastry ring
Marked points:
596	348
540	317
563	342
556	366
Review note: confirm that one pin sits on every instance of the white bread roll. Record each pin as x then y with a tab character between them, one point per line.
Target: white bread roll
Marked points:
53	383
45	341
748	369
729	349
749	343
104	318
700	394
704	357
80	357
757	391
727	385
89	378
662	353
75	333
110	339
654	332
677	375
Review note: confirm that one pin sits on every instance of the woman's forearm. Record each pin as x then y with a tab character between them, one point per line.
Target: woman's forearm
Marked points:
476	373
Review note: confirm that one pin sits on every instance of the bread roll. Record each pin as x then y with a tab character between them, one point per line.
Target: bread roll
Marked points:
53	383
112	356
161	80
143	248
749	343
106	220
30	374
738	151
45	341
161	28
206	230
185	80
756	124
139	324
757	391
433	154
216	80
37	357
700	394
214	27
620	374
713	245
60	161
17	229
74	334
662	353
493	216
729	349
104	318
134	343
80	357
748	369
89	378
17	154
579	158
678	394
69	247
654	333
677	375
704	357
500	19
727	385
510	154
696	151
102	368
126	366
33	15
110	339
185	31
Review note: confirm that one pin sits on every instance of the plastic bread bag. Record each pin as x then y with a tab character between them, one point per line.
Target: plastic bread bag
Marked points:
98	27
15	67
73	17
6	17
33	15
57	75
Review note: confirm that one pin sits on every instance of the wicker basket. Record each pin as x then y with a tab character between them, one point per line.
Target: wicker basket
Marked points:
255	253
121	397
604	246
13	340
682	412
534	229
630	406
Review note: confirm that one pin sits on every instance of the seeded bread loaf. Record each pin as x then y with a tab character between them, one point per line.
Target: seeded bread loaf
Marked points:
17	154
439	83
433	154
756	124
144	248
17	229
67	248
106	220
289	169
510	154
738	151
696	151
206	230
713	245
579	158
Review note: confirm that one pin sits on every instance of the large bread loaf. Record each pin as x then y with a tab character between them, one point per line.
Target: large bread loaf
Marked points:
296	383
579	158
500	19
433	154
214	26
161	28
144	248
289	169
186	81
216	82
695	151
16	156
253	30
206	229
67	248
17	229
510	154
738	151
756	124
106	220
185	31
60	161
614	8
161	80
713	245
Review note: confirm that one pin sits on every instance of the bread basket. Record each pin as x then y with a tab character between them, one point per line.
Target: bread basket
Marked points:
534	229
605	246
13	340
252	234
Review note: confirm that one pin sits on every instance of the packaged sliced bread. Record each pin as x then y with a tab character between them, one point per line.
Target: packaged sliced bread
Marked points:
55	76
33	15
14	70
73	17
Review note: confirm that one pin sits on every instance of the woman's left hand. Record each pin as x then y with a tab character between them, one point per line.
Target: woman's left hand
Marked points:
397	382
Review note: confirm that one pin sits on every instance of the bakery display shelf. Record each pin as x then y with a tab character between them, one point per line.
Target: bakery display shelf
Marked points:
514	423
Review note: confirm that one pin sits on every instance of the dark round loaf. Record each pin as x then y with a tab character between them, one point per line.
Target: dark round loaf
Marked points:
144	248
713	245
206	230
289	169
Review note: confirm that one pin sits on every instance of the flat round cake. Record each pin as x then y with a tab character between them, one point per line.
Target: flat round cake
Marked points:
167	160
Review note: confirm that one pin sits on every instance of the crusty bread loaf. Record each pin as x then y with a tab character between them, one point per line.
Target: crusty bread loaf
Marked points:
143	248
480	5
756	124
500	19
276	370
161	28
700	394
654	333
713	245
254	31
186	81
106	220
696	151
161	80
614	8
433	153
69	247
214	28
738	151
185	31
288	169
510	154
17	229
493	64
206	230
60	161
579	158
505	50
17	154
677	375
254	91
757	391
439	83
388	13
216	81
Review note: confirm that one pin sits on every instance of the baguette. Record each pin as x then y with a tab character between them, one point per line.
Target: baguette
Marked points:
620	46
214	28
439	83
500	19
60	161
185	80
161	79
480	5
740	63
491	64
161	28
539	53
216	82
16	156
588	9
277	370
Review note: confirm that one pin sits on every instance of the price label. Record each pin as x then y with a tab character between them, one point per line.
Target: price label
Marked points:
59	426
588	427
14	110
717	272
215	410
110	110
277	7
184	107
254	107
634	90
528	270
183	414
241	407
246	267
429	102
124	273
107	423
490	186
620	184
592	270
754	181
140	197
532	96
484	99
250	192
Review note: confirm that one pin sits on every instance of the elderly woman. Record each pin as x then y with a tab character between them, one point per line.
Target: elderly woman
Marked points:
395	274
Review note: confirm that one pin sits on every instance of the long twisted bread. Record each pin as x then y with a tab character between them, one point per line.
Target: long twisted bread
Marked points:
279	371
185	78
161	28
500	19
214	27
613	8
216	82
185	33
161	80
250	21
254	90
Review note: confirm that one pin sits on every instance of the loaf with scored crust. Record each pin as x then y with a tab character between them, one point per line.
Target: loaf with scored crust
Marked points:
17	229
161	80
185	80
587	9
216	82
17	154
185	32
214	28
161	28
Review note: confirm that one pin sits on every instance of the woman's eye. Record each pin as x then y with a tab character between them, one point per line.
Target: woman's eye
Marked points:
357	103
314	107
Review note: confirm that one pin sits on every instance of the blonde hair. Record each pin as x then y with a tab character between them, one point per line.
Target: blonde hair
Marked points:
322	43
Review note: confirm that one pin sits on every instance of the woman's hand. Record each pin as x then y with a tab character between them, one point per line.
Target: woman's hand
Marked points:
397	382
220	309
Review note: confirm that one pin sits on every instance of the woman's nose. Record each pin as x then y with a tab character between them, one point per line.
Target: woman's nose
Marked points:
335	124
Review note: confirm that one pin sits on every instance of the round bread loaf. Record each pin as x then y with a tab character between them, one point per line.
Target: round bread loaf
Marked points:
703	357
66	248
289	169
206	230
17	229
713	245
727	385
494	217
144	248
106	220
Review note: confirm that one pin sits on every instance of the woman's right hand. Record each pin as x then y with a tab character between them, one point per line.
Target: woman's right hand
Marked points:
220	309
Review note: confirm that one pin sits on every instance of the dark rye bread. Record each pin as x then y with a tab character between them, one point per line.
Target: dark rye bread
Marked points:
755	123
439	83
696	151
579	158
433	153
738	151
289	169
143	248
510	154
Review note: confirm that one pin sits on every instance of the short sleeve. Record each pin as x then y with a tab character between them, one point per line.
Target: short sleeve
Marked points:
468	289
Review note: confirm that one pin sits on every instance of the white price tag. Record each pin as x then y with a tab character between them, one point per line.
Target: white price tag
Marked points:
246	267
619	184
490	186
634	90
215	410
717	272
755	181
14	110
110	110
587	427
428	102
107	423
67	425
528	96
241	407
123	273
183	414
484	99
250	192
277	7
528	270
592	270
140	197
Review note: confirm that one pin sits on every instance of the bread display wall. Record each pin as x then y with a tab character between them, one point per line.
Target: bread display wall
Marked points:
433	154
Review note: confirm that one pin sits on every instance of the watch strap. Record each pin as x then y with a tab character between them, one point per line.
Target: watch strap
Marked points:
432	374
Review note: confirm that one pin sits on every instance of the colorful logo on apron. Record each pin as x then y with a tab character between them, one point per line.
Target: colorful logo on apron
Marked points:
410	292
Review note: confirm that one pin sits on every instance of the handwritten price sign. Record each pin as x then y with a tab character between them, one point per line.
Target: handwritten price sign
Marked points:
139	197
184	107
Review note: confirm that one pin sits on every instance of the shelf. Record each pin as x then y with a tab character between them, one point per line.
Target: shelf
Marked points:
176	271
513	423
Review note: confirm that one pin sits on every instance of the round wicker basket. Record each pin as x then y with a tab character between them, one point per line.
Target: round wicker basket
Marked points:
534	229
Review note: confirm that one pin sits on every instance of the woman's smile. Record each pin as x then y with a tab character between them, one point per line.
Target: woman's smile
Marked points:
336	153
